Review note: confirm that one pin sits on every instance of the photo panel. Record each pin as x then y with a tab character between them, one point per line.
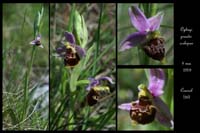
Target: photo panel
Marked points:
25	92
145	99
82	66
145	34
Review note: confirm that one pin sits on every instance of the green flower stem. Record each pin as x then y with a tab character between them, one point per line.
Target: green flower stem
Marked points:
26	92
98	39
143	58
64	79
37	26
170	87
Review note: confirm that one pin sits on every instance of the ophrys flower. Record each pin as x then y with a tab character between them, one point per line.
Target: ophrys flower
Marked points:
37	41
97	90
71	52
148	35
149	105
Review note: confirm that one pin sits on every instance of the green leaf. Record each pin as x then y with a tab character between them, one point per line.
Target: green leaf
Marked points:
106	118
81	82
141	7
71	18
99	57
37	22
169	87
13	116
153	9
167	26
79	69
147	73
143	58
80	30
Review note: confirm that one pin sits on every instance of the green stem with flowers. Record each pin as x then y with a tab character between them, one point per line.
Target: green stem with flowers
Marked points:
37	25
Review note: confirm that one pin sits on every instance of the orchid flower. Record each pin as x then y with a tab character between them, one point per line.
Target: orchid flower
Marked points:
147	36
97	90
37	41
71	52
149	104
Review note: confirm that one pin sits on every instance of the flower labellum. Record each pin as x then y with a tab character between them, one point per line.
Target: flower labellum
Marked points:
143	111
71	52
71	57
147	36
97	93
37	41
155	48
143	114
96	90
149	106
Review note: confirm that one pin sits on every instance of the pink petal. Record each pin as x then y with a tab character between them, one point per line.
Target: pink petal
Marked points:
155	21
163	114
138	19
38	37
81	52
93	82
106	78
156	82
133	40
69	37
33	42
61	50
125	106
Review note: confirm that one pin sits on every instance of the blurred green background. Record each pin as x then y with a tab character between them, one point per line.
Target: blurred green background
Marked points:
18	21
128	81
124	28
